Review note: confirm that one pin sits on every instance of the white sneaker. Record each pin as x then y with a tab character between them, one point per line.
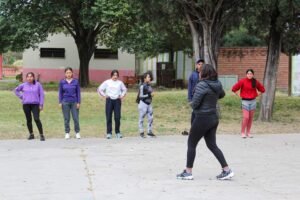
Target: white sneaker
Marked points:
77	135
67	136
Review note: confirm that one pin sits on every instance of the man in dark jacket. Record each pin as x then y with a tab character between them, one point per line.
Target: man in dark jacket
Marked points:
193	80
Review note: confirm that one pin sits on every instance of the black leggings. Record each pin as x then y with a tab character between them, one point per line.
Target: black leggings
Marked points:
35	110
204	125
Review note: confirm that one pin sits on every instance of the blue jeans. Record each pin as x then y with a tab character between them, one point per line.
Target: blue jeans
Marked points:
68	108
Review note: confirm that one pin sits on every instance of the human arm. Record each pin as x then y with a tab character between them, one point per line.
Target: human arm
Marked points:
141	93
19	91
78	92
123	90
190	88
236	87
101	89
60	92
200	92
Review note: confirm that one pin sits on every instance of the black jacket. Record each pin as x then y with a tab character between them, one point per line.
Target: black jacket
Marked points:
207	93
145	93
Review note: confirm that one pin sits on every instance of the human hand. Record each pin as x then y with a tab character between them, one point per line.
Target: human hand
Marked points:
78	105
121	98
105	97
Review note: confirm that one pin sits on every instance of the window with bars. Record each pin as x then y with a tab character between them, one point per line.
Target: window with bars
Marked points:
106	54
52	53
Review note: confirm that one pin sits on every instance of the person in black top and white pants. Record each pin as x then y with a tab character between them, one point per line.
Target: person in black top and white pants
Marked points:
145	108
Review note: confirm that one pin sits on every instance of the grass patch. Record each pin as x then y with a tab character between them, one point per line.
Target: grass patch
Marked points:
171	115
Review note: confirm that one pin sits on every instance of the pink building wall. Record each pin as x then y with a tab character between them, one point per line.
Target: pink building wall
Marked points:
55	75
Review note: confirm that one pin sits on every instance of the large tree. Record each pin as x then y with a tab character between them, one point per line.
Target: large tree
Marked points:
85	20
277	21
156	29
207	20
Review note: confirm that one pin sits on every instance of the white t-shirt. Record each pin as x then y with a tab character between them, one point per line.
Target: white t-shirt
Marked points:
112	89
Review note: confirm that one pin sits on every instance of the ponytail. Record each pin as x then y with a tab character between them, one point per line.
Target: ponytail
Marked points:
253	83
253	80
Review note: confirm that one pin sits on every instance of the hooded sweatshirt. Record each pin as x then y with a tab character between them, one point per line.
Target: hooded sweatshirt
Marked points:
207	93
30	93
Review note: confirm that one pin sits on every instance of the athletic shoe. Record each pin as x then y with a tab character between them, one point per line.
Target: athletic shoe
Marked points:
31	136
108	136
119	135
249	136
150	134
243	135
42	138
77	135
142	135
67	136
225	175
185	176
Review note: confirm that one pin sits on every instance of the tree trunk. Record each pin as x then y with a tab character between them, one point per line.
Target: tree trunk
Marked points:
209	47
171	56
196	36
86	41
84	78
85	53
270	77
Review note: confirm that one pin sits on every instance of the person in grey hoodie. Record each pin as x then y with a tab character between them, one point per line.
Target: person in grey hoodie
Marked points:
204	102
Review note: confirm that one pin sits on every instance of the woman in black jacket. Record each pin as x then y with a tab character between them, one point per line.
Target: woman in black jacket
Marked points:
204	103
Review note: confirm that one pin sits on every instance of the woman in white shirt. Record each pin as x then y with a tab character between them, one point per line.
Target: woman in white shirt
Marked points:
113	90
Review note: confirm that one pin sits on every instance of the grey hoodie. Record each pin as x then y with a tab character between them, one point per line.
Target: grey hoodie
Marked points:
207	93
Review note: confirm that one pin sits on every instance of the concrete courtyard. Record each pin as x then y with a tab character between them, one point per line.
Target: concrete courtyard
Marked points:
266	167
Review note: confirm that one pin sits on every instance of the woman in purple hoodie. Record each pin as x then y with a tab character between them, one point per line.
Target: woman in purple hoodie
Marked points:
32	95
69	100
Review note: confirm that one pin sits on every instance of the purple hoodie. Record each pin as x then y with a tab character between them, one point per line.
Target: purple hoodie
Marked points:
30	93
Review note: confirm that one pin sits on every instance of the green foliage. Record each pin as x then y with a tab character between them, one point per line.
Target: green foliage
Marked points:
155	27
285	13
19	77
9	58
241	37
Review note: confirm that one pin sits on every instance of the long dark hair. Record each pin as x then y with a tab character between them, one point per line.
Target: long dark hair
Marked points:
208	72
32	74
253	80
114	71
68	69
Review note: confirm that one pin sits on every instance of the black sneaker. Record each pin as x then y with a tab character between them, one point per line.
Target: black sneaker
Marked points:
185	176
42	138
184	133
142	135
150	134
31	136
225	175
